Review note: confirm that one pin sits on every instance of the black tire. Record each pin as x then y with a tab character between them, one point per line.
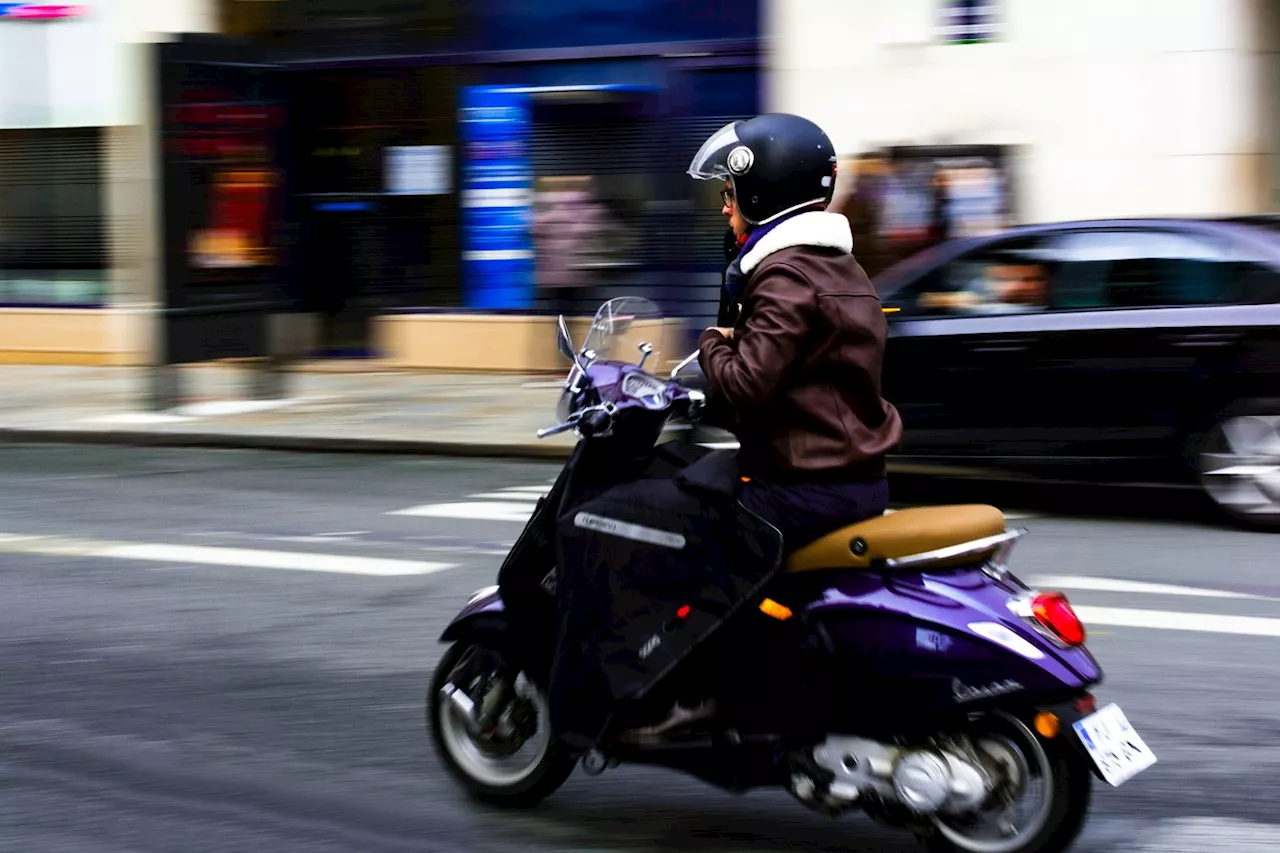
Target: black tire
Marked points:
1213	452
1072	790
550	771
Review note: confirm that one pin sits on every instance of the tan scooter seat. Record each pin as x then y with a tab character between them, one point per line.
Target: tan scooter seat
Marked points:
899	534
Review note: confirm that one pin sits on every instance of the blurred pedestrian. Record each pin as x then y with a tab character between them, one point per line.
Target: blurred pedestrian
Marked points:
863	206
572	234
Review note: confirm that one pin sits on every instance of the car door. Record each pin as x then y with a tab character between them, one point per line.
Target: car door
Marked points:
963	336
1134	339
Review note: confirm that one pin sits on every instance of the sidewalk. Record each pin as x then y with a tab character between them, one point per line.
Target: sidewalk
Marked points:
328	409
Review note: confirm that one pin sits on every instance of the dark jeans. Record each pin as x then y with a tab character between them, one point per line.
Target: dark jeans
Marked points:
805	512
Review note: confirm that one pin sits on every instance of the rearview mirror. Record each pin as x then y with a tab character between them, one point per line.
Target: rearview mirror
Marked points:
564	341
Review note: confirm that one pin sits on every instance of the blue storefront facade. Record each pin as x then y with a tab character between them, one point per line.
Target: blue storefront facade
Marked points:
526	97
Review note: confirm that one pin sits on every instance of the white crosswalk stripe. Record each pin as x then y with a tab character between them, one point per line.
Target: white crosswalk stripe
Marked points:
1160	619
514	504
247	558
1091	584
1197	835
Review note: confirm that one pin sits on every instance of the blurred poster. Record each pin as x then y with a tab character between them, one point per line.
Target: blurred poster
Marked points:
224	189
906	199
419	169
227	146
238	229
497	198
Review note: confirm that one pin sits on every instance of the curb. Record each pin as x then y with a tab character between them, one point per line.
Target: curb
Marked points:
292	443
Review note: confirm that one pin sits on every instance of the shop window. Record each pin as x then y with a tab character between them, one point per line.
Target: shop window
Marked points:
52	228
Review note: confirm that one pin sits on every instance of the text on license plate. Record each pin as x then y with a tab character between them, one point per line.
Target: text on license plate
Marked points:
1116	749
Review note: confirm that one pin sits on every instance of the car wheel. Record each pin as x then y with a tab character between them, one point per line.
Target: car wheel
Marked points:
1238	463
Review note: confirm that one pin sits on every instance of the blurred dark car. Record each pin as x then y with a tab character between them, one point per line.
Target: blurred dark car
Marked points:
1104	351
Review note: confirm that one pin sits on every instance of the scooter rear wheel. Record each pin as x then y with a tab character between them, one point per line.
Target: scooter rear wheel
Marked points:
1065	786
515	770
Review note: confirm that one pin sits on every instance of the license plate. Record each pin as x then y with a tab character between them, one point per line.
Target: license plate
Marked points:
1116	749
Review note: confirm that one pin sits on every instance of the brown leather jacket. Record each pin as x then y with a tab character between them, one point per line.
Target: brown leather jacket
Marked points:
802	370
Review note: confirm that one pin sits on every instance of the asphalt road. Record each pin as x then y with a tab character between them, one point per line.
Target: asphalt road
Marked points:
174	677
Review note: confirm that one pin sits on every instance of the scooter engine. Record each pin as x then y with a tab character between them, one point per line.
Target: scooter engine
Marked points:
925	781
930	782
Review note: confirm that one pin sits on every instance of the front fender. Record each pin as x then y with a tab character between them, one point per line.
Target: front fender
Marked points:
482	605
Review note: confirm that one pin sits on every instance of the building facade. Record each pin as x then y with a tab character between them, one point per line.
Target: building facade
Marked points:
453	169
390	206
1123	108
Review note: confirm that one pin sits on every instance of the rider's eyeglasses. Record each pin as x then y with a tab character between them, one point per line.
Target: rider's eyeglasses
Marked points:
726	195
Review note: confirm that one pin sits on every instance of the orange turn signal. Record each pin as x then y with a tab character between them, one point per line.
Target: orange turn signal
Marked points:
769	607
1048	725
890	310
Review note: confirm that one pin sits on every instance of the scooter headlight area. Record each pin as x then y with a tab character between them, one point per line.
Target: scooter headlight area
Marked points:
911	673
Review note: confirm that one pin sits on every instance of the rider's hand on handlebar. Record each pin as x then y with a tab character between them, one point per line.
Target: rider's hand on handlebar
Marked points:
727	333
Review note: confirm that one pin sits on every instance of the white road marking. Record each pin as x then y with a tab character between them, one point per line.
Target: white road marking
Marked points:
512	503
1167	620
476	511
505	496
217	556
1073	582
1198	834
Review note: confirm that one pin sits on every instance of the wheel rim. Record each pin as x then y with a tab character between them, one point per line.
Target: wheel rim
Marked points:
488	761
1022	803
1240	467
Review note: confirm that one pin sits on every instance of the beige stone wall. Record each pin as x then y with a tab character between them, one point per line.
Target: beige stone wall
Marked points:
503	344
1122	107
71	336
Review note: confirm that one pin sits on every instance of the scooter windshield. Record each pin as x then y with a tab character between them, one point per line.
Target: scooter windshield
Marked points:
623	327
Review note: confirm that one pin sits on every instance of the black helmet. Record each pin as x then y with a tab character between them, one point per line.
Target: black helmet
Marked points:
777	163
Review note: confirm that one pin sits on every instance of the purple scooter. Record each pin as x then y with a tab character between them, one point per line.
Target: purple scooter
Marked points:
902	670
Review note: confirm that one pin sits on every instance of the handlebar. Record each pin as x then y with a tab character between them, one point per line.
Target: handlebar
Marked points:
596	420
557	429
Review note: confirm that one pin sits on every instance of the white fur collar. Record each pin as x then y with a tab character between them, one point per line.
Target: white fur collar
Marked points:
816	228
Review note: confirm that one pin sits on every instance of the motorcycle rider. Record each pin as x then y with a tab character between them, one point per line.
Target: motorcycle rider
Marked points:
801	366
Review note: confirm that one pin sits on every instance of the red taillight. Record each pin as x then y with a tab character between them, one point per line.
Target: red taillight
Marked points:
1053	611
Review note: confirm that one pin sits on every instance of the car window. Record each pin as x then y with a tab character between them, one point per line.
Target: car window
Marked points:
1142	269
1009	276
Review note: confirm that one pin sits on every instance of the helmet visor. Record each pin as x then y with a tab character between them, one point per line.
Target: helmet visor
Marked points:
711	161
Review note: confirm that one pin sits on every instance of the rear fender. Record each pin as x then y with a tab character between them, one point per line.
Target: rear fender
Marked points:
483	610
944	642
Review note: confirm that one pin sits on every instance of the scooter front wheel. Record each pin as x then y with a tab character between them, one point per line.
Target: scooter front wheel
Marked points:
1041	806
511	761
